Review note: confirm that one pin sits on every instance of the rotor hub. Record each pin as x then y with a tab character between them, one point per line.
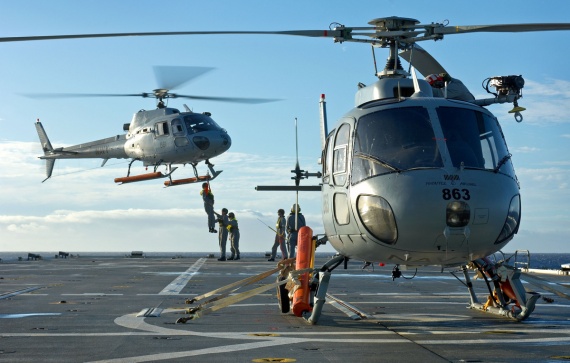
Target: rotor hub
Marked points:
393	23
160	93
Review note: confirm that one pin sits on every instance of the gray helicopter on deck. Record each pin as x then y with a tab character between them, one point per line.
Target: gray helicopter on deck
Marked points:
418	172
163	136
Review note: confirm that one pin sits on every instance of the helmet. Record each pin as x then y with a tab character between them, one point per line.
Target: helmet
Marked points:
224	210
231	215
293	208
281	211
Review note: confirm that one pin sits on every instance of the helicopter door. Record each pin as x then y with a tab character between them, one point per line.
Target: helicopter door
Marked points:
180	138
162	142
338	198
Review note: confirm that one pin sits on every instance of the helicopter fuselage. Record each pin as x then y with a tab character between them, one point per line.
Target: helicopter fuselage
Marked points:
155	137
165	135
419	180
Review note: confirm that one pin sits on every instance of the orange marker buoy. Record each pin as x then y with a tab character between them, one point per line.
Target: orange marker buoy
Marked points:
305	259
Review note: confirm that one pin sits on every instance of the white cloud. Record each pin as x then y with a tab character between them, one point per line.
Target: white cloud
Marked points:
546	102
525	149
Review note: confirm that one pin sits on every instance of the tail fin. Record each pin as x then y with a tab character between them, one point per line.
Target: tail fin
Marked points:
48	149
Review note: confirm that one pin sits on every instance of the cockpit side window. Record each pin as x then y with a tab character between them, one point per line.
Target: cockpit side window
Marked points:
473	138
340	154
394	140
177	128
325	159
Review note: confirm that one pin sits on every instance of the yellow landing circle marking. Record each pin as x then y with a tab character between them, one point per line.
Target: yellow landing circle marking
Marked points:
282	360
565	357
265	335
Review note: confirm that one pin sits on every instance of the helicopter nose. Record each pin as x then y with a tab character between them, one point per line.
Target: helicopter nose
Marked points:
202	142
226	141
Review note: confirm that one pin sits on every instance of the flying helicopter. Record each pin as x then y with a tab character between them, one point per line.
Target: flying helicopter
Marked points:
417	173
163	136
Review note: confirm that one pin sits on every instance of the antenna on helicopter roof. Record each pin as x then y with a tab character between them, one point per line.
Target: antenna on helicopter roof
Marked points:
374	60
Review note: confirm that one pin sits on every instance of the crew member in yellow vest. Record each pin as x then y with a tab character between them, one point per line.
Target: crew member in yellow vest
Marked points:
279	236
233	228
208	198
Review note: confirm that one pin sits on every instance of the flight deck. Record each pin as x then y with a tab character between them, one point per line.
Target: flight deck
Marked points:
125	309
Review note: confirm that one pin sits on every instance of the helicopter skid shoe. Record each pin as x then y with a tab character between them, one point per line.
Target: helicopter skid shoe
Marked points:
508	297
319	286
143	177
202	178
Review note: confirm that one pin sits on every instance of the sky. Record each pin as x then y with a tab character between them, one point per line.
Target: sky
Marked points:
81	209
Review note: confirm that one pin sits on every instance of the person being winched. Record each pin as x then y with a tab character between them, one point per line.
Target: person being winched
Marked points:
234	236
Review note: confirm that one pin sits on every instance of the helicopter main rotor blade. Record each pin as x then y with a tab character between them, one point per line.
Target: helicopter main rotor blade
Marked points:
304	33
172	77
152	95
422	61
406	32
225	99
499	28
78	95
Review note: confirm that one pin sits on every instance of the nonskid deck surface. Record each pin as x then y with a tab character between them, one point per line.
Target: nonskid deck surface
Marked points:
85	310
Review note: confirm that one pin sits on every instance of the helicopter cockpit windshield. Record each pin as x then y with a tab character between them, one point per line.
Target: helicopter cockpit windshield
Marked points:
394	140
198	122
400	139
474	139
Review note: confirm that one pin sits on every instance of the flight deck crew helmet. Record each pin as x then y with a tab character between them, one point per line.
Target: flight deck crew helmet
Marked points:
293	208
281	212
224	210
231	215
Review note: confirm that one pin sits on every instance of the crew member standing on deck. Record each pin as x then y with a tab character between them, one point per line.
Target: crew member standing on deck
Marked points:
279	236
223	233
294	222
234	236
208	198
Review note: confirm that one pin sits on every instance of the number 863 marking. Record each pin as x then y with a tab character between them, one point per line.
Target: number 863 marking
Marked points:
456	194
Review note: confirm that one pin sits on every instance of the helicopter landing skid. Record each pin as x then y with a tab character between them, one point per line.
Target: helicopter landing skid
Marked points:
197	179
319	286
143	177
505	288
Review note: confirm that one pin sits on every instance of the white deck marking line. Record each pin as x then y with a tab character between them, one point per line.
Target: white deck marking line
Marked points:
178	284
18	292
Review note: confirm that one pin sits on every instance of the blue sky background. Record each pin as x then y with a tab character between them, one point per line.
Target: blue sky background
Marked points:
81	208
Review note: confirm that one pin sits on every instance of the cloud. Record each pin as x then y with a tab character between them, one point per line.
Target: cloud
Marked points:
525	149
546	102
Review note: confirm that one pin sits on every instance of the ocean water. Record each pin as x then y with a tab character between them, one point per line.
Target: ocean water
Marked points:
534	260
